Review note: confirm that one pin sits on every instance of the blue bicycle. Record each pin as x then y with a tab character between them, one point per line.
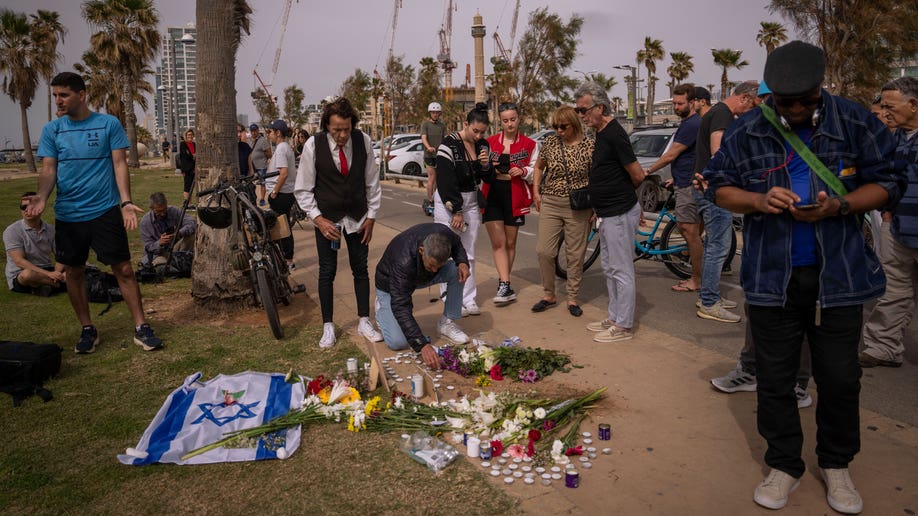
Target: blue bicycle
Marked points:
669	247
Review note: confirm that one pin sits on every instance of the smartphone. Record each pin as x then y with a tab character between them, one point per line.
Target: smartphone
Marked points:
806	206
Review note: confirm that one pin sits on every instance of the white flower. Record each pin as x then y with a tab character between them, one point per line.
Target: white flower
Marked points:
456	422
557	449
311	400
464	356
339	390
399	404
540	413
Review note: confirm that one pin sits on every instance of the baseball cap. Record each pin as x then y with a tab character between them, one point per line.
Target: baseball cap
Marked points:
253	127
278	125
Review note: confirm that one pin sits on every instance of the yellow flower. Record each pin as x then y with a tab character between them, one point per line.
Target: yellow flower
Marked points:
351	397
483	381
371	405
324	394
350	425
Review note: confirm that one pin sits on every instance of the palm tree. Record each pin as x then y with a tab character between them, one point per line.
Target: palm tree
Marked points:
21	64
214	280
680	69
127	38
99	76
771	35
727	58
617	104
48	31
648	56
606	82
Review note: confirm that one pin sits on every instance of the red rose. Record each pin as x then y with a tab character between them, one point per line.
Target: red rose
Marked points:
530	448
315	386
495	373
497	447
534	435
578	450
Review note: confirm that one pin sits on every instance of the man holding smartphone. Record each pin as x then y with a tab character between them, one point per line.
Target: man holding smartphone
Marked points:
806	270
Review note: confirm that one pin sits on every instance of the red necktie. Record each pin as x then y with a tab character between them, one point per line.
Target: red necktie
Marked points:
343	161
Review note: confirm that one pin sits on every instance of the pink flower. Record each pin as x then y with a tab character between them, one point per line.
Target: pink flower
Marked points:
516	451
548	425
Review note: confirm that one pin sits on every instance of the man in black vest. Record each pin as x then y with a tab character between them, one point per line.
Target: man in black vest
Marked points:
337	184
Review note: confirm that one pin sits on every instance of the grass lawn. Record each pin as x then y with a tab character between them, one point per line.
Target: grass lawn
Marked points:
59	457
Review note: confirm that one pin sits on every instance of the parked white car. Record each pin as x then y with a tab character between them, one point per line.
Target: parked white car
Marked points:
408	159
649	145
389	143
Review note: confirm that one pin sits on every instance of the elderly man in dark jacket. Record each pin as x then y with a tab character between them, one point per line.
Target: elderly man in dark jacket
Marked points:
417	258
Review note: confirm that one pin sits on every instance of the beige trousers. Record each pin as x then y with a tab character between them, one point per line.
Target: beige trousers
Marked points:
557	218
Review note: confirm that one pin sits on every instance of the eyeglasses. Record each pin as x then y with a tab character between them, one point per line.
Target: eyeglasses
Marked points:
584	110
561	127
22	207
805	101
507	106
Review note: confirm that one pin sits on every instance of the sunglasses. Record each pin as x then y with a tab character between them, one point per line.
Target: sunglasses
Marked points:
22	207
561	127
805	101
584	110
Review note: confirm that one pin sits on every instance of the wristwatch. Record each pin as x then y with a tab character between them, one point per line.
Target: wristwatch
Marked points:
125	203
843	207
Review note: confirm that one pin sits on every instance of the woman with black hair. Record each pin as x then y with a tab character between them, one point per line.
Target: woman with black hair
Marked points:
463	161
186	162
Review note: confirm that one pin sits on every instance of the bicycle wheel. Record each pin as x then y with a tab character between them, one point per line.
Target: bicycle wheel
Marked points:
266	296
281	275
592	253
678	261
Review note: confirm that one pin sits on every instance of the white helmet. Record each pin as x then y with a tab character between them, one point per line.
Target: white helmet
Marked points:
434	106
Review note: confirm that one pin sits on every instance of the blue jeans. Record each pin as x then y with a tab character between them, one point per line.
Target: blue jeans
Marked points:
452	307
718	226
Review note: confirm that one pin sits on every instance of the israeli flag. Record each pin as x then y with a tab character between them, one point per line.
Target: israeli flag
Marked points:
200	413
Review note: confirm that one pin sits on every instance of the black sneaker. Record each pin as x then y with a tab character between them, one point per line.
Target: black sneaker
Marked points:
505	294
89	338
145	338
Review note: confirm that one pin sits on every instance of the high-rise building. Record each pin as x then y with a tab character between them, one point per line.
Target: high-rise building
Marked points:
175	93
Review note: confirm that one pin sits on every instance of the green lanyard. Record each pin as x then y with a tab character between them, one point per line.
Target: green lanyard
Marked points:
804	152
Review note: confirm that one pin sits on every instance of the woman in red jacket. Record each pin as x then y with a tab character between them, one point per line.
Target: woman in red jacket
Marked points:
508	194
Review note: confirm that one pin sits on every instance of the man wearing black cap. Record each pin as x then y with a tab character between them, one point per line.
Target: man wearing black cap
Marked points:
801	168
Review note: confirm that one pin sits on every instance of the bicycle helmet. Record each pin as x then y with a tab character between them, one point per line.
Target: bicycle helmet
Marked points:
434	106
214	214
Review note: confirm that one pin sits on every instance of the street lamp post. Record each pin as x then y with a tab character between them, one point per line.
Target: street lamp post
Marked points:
632	91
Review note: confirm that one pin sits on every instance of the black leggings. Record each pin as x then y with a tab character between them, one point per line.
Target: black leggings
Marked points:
357	254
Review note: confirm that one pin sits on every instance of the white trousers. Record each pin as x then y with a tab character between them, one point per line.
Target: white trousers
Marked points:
471	214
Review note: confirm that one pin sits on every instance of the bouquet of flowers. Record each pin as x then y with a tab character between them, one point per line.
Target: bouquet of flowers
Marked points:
521	363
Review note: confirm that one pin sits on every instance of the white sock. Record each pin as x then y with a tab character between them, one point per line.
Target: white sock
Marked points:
329	328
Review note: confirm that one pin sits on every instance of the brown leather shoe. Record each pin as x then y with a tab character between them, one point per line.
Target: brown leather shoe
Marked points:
871	361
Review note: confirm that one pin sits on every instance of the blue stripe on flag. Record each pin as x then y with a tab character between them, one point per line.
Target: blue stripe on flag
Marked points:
173	422
278	404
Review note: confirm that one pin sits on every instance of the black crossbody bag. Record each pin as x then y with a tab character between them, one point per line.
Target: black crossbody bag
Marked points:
579	197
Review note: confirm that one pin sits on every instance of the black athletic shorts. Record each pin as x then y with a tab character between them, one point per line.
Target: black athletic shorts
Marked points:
430	161
105	234
19	288
500	205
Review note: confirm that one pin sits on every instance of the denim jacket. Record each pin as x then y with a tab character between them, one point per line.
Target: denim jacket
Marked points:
855	146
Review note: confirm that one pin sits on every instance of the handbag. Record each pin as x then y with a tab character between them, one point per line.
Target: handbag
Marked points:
579	197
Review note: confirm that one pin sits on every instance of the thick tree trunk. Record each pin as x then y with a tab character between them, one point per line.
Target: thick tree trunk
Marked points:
214	280
130	119
26	140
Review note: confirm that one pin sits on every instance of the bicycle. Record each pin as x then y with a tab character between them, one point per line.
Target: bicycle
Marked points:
260	253
669	247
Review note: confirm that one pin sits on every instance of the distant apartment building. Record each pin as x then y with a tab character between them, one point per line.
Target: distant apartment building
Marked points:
175	92
908	68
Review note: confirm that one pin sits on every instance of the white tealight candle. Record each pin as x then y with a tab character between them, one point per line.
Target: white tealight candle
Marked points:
529	481
508	480
587	434
587	441
495	473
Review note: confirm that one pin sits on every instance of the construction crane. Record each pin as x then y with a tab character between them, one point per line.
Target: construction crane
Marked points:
277	54
444	57
504	55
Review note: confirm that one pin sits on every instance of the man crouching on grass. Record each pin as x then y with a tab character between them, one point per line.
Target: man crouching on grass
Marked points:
416	258
83	155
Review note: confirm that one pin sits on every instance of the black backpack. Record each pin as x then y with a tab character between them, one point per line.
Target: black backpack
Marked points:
102	287
24	366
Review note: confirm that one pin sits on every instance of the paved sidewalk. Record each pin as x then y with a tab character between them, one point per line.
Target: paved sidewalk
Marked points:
679	447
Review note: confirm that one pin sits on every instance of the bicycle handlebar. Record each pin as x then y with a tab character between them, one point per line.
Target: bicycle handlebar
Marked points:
222	185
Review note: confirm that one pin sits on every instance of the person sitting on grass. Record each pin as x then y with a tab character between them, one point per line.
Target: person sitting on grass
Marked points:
160	226
29	244
422	255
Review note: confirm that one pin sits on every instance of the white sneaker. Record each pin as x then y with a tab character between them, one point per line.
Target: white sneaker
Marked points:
451	332
773	491
470	309
598	326
328	336
840	491
366	330
804	399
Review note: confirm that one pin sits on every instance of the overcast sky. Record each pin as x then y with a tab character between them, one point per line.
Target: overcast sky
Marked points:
327	41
